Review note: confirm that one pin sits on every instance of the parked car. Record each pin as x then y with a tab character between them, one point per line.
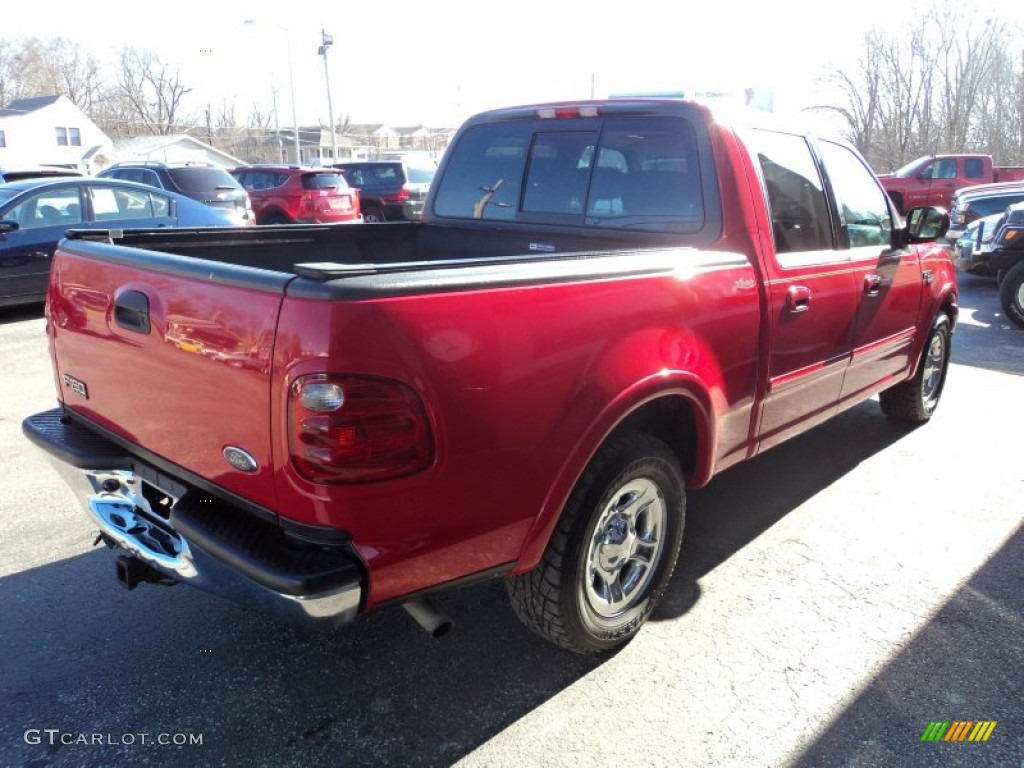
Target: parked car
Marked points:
976	202
206	183
974	247
290	194
389	190
17	173
34	214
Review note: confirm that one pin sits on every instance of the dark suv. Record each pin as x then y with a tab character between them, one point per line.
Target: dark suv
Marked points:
389	190
290	194
206	183
973	203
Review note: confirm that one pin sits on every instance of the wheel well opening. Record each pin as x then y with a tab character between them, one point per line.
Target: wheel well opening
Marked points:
672	420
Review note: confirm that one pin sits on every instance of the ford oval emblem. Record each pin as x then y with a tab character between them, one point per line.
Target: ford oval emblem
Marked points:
240	459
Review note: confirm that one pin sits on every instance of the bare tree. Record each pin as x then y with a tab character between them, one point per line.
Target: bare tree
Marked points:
151	90
34	67
932	87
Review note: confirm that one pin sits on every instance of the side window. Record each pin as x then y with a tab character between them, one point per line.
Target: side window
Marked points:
110	204
161	205
796	197
944	169
974	168
863	208
53	208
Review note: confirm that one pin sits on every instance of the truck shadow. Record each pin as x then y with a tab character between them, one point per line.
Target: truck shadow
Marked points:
744	501
80	654
19	312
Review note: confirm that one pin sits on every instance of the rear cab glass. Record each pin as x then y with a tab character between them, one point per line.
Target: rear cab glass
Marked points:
629	173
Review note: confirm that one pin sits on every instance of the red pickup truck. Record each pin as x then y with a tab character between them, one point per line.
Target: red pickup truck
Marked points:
605	304
932	179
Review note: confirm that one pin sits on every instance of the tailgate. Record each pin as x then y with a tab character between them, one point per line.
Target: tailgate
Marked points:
172	354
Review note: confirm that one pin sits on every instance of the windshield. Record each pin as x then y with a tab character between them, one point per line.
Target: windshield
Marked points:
912	166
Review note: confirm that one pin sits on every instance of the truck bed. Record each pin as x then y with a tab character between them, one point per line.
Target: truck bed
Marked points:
281	248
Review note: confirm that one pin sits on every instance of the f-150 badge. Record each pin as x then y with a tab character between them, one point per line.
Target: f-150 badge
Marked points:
76	385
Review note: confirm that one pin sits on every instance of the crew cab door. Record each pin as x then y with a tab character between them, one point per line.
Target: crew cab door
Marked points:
813	298
888	279
935	183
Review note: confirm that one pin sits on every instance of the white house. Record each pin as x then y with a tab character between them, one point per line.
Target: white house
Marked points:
51	130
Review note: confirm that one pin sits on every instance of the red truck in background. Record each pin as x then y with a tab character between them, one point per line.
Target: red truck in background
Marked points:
932	179
605	303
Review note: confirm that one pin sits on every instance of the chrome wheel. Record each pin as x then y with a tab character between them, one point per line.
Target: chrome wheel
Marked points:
934	365
624	549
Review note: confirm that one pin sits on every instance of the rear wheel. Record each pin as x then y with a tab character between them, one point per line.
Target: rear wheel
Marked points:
276	218
373	215
914	401
1011	293
613	551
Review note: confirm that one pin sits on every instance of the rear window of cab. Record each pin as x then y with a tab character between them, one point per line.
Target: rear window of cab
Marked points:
638	173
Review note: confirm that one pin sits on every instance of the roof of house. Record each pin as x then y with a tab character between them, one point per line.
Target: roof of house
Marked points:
24	106
145	145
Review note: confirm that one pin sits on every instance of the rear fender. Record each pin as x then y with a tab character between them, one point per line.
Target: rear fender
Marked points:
663	384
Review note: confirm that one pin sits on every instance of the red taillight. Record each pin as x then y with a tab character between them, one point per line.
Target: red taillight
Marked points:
350	429
401	196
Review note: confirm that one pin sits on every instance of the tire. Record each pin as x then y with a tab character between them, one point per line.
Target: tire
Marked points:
276	218
613	551
1011	294
915	401
373	215
1000	274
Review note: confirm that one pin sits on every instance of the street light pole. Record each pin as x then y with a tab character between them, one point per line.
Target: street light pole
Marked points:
326	42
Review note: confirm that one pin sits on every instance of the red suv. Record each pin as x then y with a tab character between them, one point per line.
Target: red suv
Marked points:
290	194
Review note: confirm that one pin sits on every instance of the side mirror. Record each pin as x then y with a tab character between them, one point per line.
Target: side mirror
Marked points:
9	225
925	225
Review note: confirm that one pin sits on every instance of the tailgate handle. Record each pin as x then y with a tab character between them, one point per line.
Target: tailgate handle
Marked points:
131	311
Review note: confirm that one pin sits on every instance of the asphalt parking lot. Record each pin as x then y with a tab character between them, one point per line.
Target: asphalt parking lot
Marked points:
834	597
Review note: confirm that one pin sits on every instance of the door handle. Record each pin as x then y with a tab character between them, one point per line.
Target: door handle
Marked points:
798	298
872	284
131	311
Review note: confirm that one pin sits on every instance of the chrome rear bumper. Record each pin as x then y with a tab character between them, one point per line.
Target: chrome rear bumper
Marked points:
195	538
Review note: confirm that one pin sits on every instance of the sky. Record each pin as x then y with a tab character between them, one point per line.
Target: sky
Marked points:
436	63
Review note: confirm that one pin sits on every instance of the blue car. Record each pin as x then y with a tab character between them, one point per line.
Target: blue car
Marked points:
35	213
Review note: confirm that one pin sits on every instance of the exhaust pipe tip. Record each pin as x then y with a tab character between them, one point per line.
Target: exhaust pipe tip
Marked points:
436	623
